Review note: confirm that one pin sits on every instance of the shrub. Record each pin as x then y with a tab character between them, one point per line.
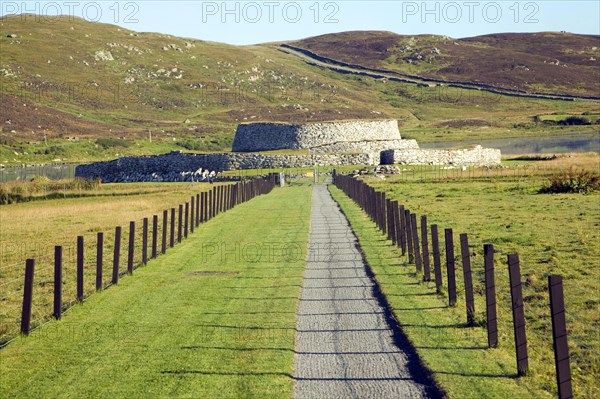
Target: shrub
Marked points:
572	181
52	150
191	144
574	120
110	143
195	144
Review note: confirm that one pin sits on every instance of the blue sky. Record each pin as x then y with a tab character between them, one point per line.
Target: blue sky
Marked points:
248	22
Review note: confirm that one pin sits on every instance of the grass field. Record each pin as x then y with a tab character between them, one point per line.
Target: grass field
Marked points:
214	318
32	229
553	234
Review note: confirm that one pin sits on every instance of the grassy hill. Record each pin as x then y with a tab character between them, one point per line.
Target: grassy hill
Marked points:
547	62
75	91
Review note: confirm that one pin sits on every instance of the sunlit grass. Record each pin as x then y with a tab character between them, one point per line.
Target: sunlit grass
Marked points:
213	318
553	234
32	229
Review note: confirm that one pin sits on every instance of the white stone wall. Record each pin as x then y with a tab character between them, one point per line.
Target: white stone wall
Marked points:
477	156
275	136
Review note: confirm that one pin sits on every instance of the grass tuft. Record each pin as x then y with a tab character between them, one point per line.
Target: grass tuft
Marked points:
573	180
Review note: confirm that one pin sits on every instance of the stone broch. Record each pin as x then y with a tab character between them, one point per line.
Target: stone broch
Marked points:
328	143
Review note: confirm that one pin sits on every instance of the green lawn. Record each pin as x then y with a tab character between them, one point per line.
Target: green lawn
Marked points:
24	234
213	318
553	234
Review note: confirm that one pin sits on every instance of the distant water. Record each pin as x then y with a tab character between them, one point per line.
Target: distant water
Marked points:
531	145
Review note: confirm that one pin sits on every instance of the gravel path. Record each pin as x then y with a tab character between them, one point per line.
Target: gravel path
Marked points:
346	346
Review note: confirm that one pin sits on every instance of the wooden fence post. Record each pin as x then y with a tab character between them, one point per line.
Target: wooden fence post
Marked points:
192	213
409	239
219	199
468	278
27	296
202	206
402	215
425	250
450	267
396	215
516	294
99	260
559	337
116	255
154	243
490	295
57	282
215	202
209	207
180	223
130	250
416	246
163	246
186	218
382	218
80	268
145	238
437	261
388	219
197	210
172	235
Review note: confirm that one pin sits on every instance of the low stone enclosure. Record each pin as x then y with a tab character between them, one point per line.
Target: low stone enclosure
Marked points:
328	143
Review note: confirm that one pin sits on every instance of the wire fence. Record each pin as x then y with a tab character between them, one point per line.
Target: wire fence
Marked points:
533	332
28	172
67	274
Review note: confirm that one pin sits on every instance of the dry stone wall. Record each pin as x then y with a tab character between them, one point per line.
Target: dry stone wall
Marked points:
276	136
177	166
365	146
477	156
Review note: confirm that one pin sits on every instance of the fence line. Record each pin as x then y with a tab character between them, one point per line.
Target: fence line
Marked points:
374	203
90	254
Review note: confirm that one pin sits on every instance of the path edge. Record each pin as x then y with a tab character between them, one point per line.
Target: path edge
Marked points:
417	368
